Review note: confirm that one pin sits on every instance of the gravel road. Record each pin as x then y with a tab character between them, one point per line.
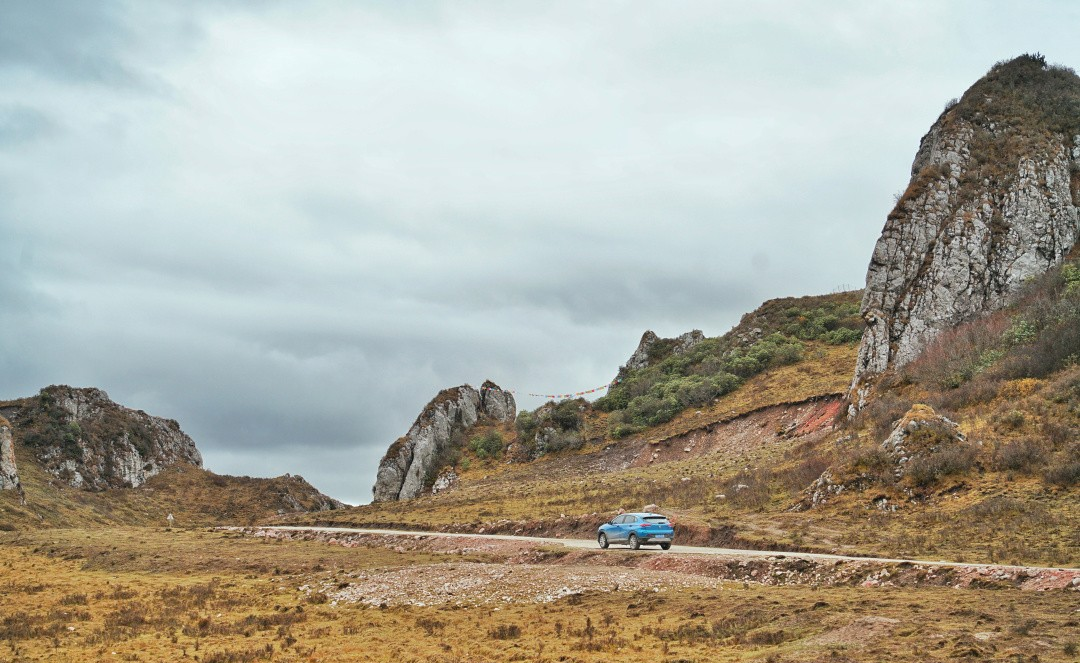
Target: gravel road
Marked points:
694	550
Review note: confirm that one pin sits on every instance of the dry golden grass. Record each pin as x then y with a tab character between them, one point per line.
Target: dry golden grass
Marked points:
189	595
989	514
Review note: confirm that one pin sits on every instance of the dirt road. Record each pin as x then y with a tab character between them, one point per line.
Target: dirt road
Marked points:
693	550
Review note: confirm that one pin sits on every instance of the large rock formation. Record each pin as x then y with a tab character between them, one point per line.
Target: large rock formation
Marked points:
991	203
84	439
9	474
411	462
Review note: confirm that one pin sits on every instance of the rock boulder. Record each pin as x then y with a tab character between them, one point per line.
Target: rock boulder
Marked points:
9	474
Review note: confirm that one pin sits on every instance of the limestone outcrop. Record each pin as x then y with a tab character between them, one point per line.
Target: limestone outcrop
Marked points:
410	464
992	202
9	473
86	440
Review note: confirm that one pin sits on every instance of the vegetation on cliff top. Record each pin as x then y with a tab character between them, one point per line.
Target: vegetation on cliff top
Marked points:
1020	109
776	334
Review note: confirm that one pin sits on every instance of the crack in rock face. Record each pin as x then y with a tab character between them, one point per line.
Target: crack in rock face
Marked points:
991	204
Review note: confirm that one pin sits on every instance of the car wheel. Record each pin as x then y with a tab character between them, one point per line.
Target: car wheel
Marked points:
634	543
602	540
665	546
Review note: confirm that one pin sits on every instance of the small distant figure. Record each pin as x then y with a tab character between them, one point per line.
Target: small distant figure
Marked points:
170	519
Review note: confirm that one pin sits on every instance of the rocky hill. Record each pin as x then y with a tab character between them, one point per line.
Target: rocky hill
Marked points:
411	462
87	441
992	202
73	456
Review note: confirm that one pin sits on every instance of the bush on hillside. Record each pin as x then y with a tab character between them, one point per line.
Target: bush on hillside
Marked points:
1065	475
488	445
563	440
1024	456
773	335
926	470
550	428
526	425
1036	335
566	415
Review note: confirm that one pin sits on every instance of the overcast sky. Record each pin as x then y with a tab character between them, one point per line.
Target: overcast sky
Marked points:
288	225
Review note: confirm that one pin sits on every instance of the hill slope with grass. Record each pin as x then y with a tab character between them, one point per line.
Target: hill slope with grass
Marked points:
971	453
966	442
72	457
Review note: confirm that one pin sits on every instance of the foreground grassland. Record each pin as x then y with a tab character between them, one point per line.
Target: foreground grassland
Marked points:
156	595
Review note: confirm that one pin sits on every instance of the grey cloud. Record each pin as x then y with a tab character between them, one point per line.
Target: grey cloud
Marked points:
22	124
75	41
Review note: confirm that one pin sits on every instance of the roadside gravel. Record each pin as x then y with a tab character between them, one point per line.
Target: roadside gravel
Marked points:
518	569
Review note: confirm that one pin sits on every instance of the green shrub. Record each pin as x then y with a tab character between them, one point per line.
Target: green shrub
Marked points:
567	415
842	336
526	425
651	410
563	440
769	337
489	445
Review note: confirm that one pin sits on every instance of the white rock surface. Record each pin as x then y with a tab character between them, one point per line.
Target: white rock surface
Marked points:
94	443
406	466
954	248
9	473
640	359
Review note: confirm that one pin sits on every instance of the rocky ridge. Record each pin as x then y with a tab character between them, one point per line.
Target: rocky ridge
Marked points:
992	202
87	441
407	468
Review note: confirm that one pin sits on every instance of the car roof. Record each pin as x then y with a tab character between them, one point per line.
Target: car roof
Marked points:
645	514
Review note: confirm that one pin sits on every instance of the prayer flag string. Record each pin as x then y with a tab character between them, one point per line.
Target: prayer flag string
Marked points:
575	394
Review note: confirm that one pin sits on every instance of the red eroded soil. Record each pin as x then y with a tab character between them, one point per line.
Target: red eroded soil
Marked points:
807	419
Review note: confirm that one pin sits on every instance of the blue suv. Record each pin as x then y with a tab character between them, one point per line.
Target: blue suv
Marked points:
636	530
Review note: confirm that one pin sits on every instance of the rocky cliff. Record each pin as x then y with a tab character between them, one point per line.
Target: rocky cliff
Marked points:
86	440
412	461
992	202
9	475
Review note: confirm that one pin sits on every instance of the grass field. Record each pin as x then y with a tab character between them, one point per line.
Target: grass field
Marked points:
156	595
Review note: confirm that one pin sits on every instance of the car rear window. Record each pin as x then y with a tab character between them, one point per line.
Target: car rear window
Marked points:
655	519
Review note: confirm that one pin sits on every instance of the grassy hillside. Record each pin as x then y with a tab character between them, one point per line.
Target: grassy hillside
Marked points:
781	332
737	468
563	490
